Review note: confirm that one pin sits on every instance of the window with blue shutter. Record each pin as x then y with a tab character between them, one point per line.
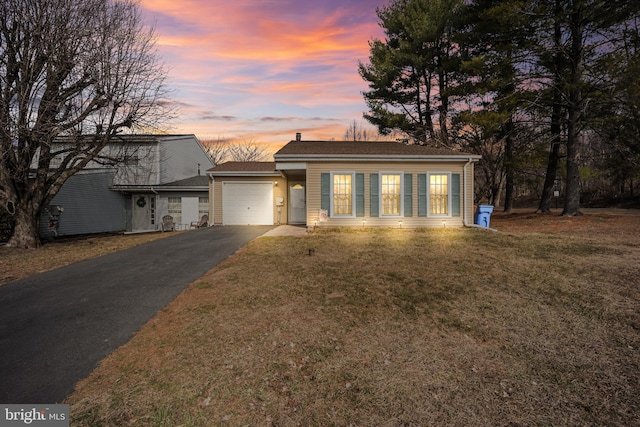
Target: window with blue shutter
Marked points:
408	194
325	191
374	198
455	194
422	194
359	194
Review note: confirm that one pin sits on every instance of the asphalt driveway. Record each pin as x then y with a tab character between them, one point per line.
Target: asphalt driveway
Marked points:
56	326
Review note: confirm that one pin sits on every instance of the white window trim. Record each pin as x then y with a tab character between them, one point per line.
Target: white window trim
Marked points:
353	194
380	204
448	214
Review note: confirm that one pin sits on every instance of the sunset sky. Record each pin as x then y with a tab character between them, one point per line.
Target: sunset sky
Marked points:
263	70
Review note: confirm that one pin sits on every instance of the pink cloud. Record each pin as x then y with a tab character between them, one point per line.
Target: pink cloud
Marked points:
237	57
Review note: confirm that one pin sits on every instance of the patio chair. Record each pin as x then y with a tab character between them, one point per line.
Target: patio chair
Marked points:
168	224
204	221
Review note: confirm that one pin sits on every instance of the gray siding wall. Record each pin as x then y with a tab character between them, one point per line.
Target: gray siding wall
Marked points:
179	158
142	167
89	206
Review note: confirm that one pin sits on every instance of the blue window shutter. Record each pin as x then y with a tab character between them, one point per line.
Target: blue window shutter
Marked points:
408	193
455	194
359	194
325	191
422	194
375	204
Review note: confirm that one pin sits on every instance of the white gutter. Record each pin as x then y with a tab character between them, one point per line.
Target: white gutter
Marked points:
154	189
281	158
243	173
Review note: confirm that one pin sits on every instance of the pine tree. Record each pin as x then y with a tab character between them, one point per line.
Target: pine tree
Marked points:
410	73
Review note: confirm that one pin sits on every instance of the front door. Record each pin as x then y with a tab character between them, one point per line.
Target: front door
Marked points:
297	203
143	212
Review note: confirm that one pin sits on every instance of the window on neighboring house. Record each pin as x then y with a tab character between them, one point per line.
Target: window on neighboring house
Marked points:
152	209
391	194
439	194
175	209
342	195
203	206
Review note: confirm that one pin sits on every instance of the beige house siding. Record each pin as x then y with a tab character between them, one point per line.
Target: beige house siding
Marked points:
468	192
314	171
279	190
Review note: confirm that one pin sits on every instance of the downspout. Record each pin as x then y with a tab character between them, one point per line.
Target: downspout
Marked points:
212	182
464	191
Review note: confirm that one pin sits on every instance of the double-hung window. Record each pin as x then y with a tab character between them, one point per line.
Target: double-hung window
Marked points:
203	206
391	194
175	209
342	194
439	194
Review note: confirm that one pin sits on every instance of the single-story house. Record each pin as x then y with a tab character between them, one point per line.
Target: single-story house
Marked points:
160	175
346	183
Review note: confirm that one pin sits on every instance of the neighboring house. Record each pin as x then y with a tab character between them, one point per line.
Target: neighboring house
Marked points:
160	175
344	183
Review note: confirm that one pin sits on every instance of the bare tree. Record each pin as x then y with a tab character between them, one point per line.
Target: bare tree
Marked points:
356	132
217	149
85	70
247	151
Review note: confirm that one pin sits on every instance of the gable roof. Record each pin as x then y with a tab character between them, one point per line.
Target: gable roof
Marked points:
244	168
149	138
298	150
194	181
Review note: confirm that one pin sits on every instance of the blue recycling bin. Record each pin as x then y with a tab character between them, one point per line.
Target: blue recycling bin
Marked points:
483	215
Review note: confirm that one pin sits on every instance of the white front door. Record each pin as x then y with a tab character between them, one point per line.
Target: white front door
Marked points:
297	203
247	203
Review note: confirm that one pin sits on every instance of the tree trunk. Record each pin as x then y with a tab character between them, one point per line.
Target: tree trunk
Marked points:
509	167
554	158
443	109
574	113
27	229
556	117
572	189
550	179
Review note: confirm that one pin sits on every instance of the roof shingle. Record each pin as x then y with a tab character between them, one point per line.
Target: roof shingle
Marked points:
194	181
376	148
245	167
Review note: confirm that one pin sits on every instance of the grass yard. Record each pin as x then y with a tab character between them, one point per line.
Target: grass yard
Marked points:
538	324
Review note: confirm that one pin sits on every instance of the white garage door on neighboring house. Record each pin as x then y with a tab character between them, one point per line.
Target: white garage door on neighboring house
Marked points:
247	203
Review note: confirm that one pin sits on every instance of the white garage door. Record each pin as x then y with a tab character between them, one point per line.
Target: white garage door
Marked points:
247	203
